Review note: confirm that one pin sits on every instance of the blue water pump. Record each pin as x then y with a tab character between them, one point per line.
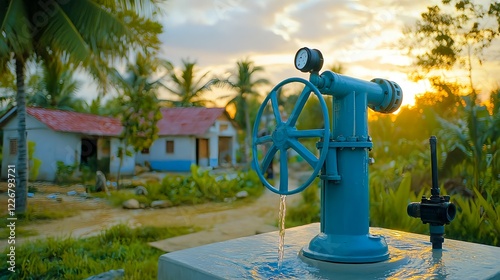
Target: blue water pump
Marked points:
342	156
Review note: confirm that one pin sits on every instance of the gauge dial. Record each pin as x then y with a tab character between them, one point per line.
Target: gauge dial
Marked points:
301	58
308	60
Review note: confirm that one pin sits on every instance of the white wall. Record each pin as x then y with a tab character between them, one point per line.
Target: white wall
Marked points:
128	163
50	147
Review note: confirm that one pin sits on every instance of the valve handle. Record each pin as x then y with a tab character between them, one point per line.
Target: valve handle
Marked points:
285	136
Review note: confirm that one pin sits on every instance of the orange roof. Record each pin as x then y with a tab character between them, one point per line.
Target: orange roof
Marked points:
187	121
67	121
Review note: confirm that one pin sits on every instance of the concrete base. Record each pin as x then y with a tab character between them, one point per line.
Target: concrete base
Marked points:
256	257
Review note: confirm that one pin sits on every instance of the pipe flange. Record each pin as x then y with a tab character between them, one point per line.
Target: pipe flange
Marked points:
393	96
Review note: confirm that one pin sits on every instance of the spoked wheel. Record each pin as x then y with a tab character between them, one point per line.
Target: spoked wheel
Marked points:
286	136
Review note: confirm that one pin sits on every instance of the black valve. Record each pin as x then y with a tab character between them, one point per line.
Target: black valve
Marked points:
436	210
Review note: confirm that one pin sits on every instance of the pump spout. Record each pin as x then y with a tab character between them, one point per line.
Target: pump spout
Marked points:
382	95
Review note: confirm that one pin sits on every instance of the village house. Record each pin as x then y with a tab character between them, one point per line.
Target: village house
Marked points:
192	135
69	137
195	135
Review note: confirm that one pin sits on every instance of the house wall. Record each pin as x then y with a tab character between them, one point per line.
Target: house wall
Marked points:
226	128
51	146
128	163
180	160
185	149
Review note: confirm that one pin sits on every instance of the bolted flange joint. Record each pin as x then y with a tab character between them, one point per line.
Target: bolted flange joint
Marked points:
393	96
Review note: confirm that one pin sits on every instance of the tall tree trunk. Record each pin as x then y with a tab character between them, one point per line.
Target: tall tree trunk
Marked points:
22	152
248	133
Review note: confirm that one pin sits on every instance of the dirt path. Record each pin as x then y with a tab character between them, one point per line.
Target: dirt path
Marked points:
219	220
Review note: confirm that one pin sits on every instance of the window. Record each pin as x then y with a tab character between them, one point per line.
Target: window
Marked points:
170	146
145	151
223	127
13	147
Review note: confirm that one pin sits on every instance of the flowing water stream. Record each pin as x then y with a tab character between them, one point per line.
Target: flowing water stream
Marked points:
281	222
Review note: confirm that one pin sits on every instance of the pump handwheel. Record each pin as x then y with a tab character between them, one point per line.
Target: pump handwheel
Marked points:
285	136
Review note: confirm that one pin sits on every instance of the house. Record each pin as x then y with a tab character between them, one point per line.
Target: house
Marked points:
193	135
65	136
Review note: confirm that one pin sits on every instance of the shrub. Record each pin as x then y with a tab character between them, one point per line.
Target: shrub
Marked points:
198	187
477	219
201	186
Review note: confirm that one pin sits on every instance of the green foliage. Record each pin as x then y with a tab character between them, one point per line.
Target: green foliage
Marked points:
64	173
307	211
245	83
477	219
69	258
198	187
202	187
35	163
55	87
187	86
454	33
388	205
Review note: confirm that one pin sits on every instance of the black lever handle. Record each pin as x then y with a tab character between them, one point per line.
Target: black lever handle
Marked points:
436	210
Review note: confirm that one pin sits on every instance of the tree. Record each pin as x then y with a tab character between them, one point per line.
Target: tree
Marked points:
187	87
57	88
456	33
245	84
86	33
140	108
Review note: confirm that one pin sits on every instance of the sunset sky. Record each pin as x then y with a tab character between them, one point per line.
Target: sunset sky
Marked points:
361	35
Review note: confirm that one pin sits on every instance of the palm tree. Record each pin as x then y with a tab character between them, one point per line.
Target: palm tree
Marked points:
86	33
245	84
188	88
57	88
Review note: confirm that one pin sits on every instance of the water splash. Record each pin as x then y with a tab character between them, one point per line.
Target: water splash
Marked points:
281	221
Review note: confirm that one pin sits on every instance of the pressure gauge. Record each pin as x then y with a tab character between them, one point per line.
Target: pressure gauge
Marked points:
308	60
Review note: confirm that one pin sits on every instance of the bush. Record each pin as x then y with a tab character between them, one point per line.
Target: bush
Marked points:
477	219
202	187
64	173
199	187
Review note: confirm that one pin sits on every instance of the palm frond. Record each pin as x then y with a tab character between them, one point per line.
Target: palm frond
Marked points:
15	35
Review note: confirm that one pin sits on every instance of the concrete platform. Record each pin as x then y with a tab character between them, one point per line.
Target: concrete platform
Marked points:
256	257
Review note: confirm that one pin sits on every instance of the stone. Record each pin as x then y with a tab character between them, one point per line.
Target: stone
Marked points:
131	204
161	204
100	183
140	190
109	275
241	194
52	196
71	193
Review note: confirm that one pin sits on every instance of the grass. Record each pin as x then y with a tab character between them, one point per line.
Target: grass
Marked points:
115	248
36	213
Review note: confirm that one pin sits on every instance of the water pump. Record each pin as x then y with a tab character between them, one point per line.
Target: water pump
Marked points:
342	156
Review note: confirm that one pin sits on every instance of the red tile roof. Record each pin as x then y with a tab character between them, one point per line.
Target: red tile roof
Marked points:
67	121
187	121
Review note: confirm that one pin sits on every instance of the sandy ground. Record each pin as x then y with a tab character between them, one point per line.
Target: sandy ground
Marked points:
219	221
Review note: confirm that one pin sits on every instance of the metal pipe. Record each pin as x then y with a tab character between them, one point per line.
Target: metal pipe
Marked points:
434	170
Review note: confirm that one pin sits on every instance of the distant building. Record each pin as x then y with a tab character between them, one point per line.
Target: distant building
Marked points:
65	136
192	135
